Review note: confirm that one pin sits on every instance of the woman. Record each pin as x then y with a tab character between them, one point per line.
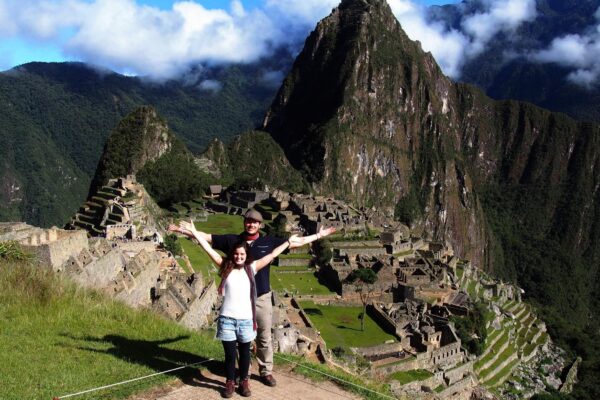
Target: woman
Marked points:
237	320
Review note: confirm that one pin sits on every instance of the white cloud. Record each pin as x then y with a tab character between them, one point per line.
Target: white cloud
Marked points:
7	24
272	78
501	15
210	85
128	37
452	48
580	52
448	47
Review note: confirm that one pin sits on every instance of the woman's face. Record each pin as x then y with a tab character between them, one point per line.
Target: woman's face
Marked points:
239	256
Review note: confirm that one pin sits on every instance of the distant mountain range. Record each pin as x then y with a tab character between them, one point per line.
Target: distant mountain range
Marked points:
504	69
56	117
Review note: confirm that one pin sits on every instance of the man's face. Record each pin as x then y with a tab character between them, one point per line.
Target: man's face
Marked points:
251	226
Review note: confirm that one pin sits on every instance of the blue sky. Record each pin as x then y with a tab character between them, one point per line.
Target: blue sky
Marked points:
25	43
162	39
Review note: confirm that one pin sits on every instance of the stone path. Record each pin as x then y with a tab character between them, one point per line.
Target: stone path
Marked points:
290	386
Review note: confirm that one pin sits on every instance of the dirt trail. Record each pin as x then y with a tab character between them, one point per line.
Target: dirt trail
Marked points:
290	386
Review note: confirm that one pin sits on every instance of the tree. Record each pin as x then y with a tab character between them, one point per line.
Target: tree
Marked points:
363	279
277	228
171	244
323	251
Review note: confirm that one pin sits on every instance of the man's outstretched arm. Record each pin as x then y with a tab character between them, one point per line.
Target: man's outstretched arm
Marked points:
323	232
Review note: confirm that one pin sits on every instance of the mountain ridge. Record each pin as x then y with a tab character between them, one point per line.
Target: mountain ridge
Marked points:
510	185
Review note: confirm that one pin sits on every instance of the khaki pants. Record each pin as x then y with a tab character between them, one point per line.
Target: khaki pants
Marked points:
264	343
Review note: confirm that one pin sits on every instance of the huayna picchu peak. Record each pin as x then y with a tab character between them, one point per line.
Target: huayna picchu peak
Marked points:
367	116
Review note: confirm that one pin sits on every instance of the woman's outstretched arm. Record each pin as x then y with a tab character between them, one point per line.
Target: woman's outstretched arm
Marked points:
263	262
189	227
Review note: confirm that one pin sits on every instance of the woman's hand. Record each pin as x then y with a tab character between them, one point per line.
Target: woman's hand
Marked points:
188	226
174	228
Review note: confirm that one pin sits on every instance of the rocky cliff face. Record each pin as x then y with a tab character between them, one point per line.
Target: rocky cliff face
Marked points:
372	119
140	137
368	116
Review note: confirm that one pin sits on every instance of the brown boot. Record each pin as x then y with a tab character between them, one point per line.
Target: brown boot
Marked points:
244	388
268	380
229	389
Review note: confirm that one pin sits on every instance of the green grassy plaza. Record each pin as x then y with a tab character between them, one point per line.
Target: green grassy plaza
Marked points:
340	326
405	377
303	283
219	224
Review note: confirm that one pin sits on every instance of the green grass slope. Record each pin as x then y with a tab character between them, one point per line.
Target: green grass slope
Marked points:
56	340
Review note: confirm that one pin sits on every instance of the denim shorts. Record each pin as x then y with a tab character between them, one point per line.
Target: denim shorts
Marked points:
230	329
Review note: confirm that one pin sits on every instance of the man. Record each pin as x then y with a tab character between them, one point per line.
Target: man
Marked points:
259	247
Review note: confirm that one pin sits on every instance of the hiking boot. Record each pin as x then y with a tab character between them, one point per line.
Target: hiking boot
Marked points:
229	389
244	388
268	380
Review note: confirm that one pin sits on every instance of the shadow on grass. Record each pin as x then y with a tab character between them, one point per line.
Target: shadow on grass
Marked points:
153	354
313	311
347	327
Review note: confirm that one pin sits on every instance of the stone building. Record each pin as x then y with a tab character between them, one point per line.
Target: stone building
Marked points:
52	246
430	339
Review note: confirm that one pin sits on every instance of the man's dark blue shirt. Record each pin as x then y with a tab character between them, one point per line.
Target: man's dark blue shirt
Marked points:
258	249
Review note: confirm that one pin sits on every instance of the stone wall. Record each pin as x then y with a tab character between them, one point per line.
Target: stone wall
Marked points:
383	319
373	353
401	365
364	251
454	375
461	386
139	295
62	245
293	262
136	247
355	244
200	310
101	273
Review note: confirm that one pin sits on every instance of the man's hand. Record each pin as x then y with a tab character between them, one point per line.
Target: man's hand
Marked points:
326	231
295	240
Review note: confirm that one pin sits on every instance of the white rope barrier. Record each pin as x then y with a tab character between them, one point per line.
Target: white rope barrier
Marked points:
297	363
130	380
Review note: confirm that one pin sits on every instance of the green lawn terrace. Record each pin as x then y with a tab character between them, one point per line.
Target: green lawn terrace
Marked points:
299	283
193	209
405	377
340	326
514	333
514	338
214	224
